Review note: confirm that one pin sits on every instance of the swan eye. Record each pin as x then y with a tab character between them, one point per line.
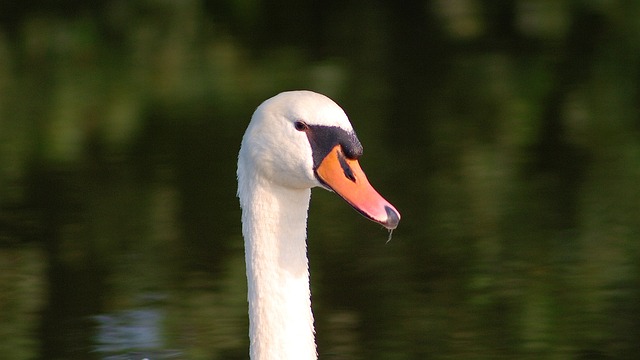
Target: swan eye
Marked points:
300	125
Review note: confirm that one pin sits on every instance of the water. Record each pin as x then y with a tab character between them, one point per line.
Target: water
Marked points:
511	149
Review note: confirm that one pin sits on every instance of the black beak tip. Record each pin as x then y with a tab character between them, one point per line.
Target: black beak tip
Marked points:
393	218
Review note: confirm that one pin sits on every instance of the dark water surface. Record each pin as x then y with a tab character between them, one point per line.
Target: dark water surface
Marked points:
507	134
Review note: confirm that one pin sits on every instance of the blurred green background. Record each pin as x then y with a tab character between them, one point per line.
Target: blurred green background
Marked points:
507	133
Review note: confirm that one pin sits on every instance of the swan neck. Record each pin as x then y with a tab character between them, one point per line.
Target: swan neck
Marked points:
274	222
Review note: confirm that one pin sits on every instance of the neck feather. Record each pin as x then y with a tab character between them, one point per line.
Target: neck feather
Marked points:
274	221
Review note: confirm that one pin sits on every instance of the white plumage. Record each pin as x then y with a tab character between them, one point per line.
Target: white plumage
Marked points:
276	172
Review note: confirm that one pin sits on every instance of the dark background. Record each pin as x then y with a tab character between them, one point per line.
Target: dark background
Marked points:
507	133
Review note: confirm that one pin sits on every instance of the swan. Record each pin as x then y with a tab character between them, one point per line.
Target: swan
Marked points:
295	141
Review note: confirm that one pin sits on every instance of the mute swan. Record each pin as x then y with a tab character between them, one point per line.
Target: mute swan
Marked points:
295	141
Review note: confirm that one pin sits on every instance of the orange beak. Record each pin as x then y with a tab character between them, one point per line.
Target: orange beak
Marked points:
346	178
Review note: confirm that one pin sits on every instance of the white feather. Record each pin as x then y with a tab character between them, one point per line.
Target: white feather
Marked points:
275	174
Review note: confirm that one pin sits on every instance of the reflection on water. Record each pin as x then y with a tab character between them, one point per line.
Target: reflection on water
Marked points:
505	134
128	331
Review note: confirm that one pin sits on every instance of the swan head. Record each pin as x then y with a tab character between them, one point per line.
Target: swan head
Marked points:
302	139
